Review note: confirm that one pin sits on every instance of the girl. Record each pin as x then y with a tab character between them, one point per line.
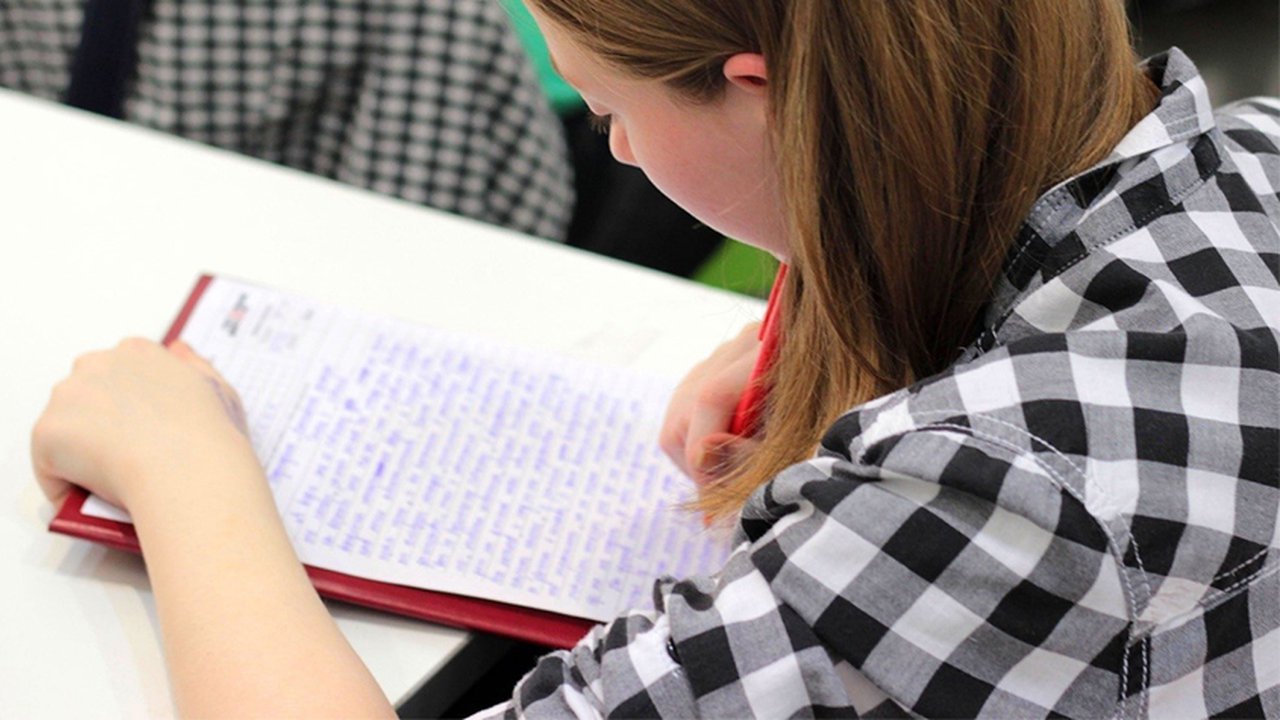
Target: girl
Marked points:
1043	278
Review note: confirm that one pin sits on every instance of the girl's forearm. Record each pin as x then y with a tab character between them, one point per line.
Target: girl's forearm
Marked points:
245	634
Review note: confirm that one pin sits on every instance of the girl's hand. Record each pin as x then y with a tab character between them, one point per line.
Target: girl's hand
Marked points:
158	432
695	433
135	412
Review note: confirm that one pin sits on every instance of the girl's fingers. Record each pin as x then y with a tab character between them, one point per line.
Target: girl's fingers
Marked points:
53	487
672	441
713	410
127	410
675	424
705	400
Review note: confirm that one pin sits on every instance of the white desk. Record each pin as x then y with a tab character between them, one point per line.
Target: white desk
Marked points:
103	229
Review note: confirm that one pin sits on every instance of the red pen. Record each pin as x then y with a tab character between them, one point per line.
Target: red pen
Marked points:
746	417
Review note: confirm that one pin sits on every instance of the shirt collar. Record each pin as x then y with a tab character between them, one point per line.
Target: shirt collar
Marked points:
1183	111
1046	242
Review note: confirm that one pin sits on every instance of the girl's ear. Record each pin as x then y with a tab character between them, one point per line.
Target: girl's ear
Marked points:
747	71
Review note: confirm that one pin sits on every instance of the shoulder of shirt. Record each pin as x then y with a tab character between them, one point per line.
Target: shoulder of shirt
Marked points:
1146	355
1180	284
1260	114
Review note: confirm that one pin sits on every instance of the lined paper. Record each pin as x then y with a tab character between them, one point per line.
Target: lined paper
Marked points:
451	462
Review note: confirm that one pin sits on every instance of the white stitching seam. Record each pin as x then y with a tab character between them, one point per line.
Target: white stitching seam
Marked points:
1091	486
1062	485
1111	541
1242	565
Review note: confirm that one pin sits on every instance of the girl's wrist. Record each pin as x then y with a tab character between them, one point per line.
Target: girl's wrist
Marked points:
207	477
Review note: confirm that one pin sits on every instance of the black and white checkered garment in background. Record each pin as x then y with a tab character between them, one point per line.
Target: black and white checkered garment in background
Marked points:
432	101
1079	518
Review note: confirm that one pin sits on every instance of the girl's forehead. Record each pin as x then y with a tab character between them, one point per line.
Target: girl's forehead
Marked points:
568	58
585	71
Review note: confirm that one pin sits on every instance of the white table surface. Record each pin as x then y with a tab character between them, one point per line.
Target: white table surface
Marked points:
104	228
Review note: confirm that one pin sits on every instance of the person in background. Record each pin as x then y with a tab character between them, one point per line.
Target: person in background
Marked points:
1017	449
433	102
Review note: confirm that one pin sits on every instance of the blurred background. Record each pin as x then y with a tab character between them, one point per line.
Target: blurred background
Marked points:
1235	43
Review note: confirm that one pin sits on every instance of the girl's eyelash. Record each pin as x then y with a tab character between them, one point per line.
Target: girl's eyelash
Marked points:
599	123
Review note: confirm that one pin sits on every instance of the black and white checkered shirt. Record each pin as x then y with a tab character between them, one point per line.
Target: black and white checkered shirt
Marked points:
432	101
1078	519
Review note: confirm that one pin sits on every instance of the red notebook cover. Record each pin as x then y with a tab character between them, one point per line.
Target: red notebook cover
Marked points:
523	623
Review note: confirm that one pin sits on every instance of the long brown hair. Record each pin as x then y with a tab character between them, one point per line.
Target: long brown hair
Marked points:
913	137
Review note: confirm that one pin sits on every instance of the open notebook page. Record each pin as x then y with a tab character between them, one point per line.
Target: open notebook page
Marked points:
455	463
